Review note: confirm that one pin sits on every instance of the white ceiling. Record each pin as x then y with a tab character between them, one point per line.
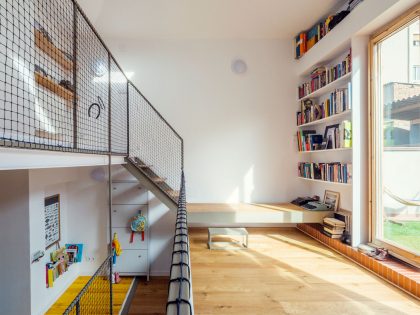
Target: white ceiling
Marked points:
205	19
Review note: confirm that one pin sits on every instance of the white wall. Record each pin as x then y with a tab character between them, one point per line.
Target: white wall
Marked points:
238	129
14	257
83	216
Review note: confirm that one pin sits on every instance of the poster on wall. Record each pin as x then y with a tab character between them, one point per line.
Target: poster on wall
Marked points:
52	220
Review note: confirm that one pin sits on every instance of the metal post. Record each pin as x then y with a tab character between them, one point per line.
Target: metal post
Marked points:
110	228
75	10
128	119
109	104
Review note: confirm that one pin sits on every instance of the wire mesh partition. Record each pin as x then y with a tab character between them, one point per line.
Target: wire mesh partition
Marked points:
60	88
96	296
180	298
153	140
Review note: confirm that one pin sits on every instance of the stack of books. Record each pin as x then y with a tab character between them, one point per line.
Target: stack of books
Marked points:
333	227
338	136
321	76
335	172
337	102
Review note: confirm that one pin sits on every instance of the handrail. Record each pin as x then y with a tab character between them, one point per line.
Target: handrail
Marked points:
180	294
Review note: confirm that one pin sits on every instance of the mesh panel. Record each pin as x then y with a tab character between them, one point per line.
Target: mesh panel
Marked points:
153	140
92	86
95	297
36	70
119	122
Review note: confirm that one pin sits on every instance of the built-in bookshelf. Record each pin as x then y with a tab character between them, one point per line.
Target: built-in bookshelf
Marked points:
328	87
324	181
324	112
326	150
343	115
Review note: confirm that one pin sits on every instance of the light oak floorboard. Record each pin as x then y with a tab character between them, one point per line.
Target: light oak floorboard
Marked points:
286	272
150	297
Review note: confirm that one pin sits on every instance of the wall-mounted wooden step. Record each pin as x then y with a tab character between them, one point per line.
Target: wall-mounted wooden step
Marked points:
159	180
173	193
48	135
55	88
55	53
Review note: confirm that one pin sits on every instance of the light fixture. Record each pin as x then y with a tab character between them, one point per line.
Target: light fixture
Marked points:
239	66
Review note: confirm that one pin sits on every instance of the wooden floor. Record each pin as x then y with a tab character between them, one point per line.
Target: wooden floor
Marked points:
286	272
150	297
120	291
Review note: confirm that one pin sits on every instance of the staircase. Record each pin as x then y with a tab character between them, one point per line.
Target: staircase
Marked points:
156	150
152	182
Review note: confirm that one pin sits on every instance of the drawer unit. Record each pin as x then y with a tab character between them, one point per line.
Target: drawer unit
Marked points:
132	261
129	199
124	235
128	194
122	214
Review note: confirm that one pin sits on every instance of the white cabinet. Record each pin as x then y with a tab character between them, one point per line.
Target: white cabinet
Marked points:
132	262
129	199
128	193
122	214
124	235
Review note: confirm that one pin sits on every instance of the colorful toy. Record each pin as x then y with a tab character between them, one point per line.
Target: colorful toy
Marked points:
116	248
138	225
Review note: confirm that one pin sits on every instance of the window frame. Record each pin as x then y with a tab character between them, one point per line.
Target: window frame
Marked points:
383	33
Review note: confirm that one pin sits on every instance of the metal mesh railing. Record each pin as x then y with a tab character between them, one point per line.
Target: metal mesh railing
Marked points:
96	296
153	140
180	296
60	87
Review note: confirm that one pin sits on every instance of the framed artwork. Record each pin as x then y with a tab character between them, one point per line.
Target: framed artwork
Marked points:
329	136
332	198
52	220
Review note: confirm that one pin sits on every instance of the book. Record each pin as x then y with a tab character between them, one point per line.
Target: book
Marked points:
334	222
346	134
331	235
334	231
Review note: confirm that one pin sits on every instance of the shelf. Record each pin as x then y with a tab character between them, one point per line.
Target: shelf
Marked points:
328	88
328	150
339	39
56	54
324	181
327	119
55	88
48	135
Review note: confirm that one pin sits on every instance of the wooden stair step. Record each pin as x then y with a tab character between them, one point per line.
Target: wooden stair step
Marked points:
159	179
173	193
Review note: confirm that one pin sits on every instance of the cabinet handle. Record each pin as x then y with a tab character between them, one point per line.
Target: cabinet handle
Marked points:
139	256
115	188
115	210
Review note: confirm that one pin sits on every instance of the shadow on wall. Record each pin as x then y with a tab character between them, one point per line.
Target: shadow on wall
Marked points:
162	229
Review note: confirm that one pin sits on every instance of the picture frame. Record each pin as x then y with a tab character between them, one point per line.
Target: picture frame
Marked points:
52	220
329	136
332	198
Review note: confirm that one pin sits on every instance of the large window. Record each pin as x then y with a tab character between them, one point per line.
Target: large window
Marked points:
395	138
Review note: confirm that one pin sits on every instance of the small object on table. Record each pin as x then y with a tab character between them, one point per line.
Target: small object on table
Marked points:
212	232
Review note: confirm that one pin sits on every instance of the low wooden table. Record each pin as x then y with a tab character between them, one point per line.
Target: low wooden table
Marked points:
228	232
